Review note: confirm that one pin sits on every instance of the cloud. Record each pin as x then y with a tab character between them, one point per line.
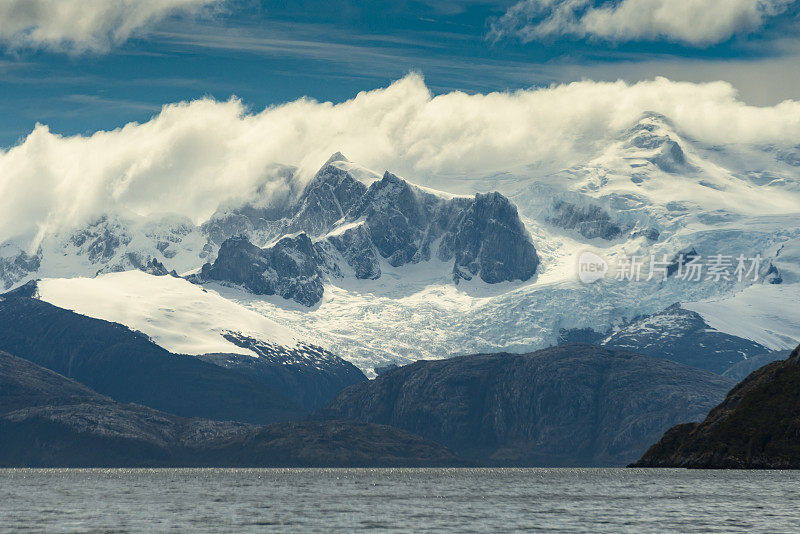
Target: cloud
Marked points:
77	26
192	156
691	22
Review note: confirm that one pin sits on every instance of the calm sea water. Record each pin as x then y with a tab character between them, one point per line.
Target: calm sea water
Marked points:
419	500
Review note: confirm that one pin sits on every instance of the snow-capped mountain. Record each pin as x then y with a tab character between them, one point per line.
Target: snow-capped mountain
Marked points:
179	316
186	320
381	270
109	243
684	336
341	228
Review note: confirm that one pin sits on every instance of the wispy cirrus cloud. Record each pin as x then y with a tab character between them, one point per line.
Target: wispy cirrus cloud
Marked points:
690	22
79	26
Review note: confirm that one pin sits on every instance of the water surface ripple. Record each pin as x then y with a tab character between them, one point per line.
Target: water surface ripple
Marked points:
419	500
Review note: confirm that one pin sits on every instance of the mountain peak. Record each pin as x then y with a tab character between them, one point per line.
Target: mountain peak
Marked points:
392	178
337	156
654	138
650	119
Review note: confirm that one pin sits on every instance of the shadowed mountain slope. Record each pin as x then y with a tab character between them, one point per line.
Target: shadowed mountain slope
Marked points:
128	367
566	405
47	420
756	427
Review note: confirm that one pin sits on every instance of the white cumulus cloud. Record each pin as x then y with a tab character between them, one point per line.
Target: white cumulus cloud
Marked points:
692	22
84	25
194	155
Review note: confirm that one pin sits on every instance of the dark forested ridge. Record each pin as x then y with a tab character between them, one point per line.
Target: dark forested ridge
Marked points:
128	367
567	405
48	420
757	426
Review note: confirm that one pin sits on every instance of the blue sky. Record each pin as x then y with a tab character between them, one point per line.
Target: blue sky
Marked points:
269	52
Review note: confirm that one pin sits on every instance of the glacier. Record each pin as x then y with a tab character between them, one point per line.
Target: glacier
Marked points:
650	191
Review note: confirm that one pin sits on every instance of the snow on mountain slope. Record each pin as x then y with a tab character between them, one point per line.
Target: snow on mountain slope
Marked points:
415	312
339	228
109	243
181	317
766	314
651	177
682	336
650	190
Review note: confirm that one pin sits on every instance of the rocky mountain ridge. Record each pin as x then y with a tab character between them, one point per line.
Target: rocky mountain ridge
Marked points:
275	384
337	227
569	405
682	336
48	420
755	427
647	191
346	227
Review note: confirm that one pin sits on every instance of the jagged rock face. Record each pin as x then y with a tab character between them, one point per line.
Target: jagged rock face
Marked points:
592	221
589	221
482	236
756	427
670	157
290	268
239	262
569	405
329	196
107	244
390	220
168	235
491	241
335	226
294	264
308	373
16	264
355	247
246	220
395	218
99	241
683	336
156	268
323	202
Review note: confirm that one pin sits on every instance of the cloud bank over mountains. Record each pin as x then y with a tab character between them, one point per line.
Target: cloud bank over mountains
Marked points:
194	155
691	22
78	26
